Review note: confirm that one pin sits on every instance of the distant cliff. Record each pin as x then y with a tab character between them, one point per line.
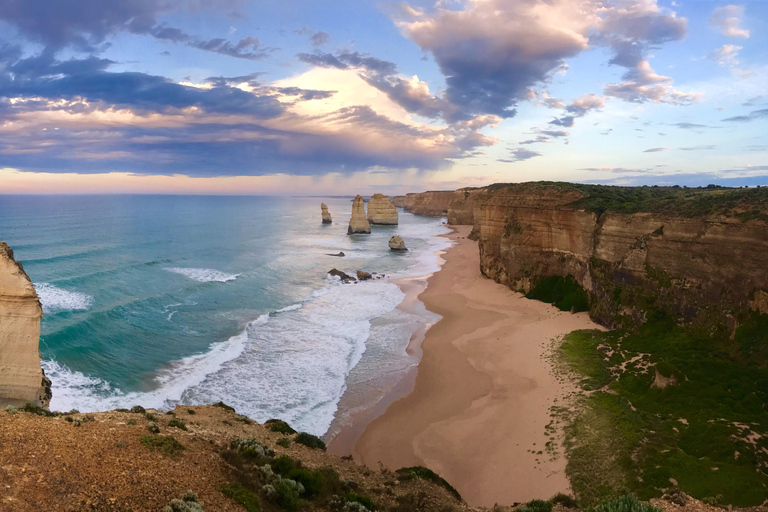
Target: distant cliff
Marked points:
21	377
697	255
433	203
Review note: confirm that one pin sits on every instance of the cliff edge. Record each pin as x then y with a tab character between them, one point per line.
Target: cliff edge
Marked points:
21	377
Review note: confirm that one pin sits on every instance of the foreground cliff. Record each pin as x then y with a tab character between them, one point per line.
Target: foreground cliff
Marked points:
21	377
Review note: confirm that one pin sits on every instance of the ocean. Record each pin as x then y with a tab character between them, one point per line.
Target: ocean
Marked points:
166	300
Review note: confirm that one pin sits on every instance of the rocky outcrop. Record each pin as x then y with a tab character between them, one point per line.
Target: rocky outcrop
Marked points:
339	254
345	278
381	210
325	214
396	243
363	275
433	203
21	377
358	223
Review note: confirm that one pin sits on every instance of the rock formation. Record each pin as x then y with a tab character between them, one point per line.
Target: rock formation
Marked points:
21	377
326	215
358	223
345	278
396	244
381	210
433	203
340	254
363	276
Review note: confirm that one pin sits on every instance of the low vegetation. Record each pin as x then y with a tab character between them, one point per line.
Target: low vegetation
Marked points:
187	503
564	292
279	426
427	474
310	441
167	445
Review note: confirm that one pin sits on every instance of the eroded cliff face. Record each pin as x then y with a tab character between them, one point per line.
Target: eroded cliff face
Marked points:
21	377
433	203
706	271
381	210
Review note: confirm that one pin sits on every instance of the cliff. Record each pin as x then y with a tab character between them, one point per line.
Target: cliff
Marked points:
381	210
696	255
21	377
358	222
434	203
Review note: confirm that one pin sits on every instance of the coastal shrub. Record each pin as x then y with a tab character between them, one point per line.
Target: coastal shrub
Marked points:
310	441
564	292
536	506
167	445
149	416
152	427
279	426
564	500
242	496
176	423
224	406
137	409
87	418
74	411
319	484
251	448
131	421
363	500
244	419
33	408
191	411
426	474
626	503
11	409
69	419
284	442
77	423
285	493
122	410
752	338
187	503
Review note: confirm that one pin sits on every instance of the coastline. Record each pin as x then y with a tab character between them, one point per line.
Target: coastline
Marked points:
481	394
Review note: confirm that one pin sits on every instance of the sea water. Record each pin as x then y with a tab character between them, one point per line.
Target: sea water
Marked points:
166	300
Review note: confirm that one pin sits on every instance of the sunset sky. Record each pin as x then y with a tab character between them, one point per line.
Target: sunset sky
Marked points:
343	96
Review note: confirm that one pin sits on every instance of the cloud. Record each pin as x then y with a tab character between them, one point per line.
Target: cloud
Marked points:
316	38
692	126
580	107
655	150
752	116
727	20
520	155
697	148
725	55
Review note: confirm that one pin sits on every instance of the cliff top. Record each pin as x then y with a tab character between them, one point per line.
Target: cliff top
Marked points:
743	203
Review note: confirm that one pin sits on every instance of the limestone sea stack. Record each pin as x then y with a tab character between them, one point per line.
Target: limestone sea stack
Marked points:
326	214
21	377
396	244
381	210
358	223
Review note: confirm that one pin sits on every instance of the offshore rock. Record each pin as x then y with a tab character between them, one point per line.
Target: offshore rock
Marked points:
363	276
340	254
345	278
396	244
358	223
381	210
21	377
325	214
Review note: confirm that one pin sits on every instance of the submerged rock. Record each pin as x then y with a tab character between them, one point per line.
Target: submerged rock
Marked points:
339	255
363	276
325	214
345	278
396	244
21	376
381	210
358	223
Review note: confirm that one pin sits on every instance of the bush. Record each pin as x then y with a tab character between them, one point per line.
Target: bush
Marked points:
191	411
187	503
310	441
152	427
167	445
251	448
564	292
564	500
137	409
243	496
11	409
149	416
284	442
33	408
426	474
536	506
244	419
279	426
224	406
131	421
177	424
627	503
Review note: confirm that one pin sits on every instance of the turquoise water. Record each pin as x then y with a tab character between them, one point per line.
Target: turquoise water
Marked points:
161	300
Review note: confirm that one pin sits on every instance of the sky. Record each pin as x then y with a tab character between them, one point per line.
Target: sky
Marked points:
348	96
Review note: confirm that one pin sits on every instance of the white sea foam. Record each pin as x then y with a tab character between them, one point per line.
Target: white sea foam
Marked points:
204	275
54	298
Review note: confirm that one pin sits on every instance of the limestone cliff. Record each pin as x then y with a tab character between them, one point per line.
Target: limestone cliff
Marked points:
21	377
326	216
381	210
358	222
433	203
697	255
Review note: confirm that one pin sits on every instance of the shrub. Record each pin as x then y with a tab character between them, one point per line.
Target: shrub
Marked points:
191	411
187	503
177	424
243	496
69	419
137	409
74	411
279	426
149	416
627	503
536	506
564	292
131	421
122	410
11	409
243	419
167	445
426	474
152	427
284	442
87	418
310	441
365	501
224	406
77	423
251	448
564	500
33	408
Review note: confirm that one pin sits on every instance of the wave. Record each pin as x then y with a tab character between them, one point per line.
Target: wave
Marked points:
204	275
54	298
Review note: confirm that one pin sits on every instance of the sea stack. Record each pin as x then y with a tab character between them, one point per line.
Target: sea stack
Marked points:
358	223
396	244
326	214
21	376
381	210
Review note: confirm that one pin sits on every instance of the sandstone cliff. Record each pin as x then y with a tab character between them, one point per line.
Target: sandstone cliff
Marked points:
381	210
21	377
358	222
433	203
697	255
325	214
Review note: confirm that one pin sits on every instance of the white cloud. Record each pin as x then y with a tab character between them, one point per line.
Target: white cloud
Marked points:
727	20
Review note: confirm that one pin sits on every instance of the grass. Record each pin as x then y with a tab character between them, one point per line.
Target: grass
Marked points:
564	292
167	445
631	436
224	406
237	492
427	474
177	423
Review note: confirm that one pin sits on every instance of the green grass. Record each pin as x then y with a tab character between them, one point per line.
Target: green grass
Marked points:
177	423
626	503
242	496
167	445
564	292
310	441
628	435
279	426
427	474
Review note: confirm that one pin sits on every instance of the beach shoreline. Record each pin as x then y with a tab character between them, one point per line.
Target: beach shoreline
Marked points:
481	395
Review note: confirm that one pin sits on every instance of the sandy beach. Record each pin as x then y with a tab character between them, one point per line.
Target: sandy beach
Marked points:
483	391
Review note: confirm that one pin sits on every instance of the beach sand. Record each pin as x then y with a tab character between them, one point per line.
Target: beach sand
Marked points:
483	391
